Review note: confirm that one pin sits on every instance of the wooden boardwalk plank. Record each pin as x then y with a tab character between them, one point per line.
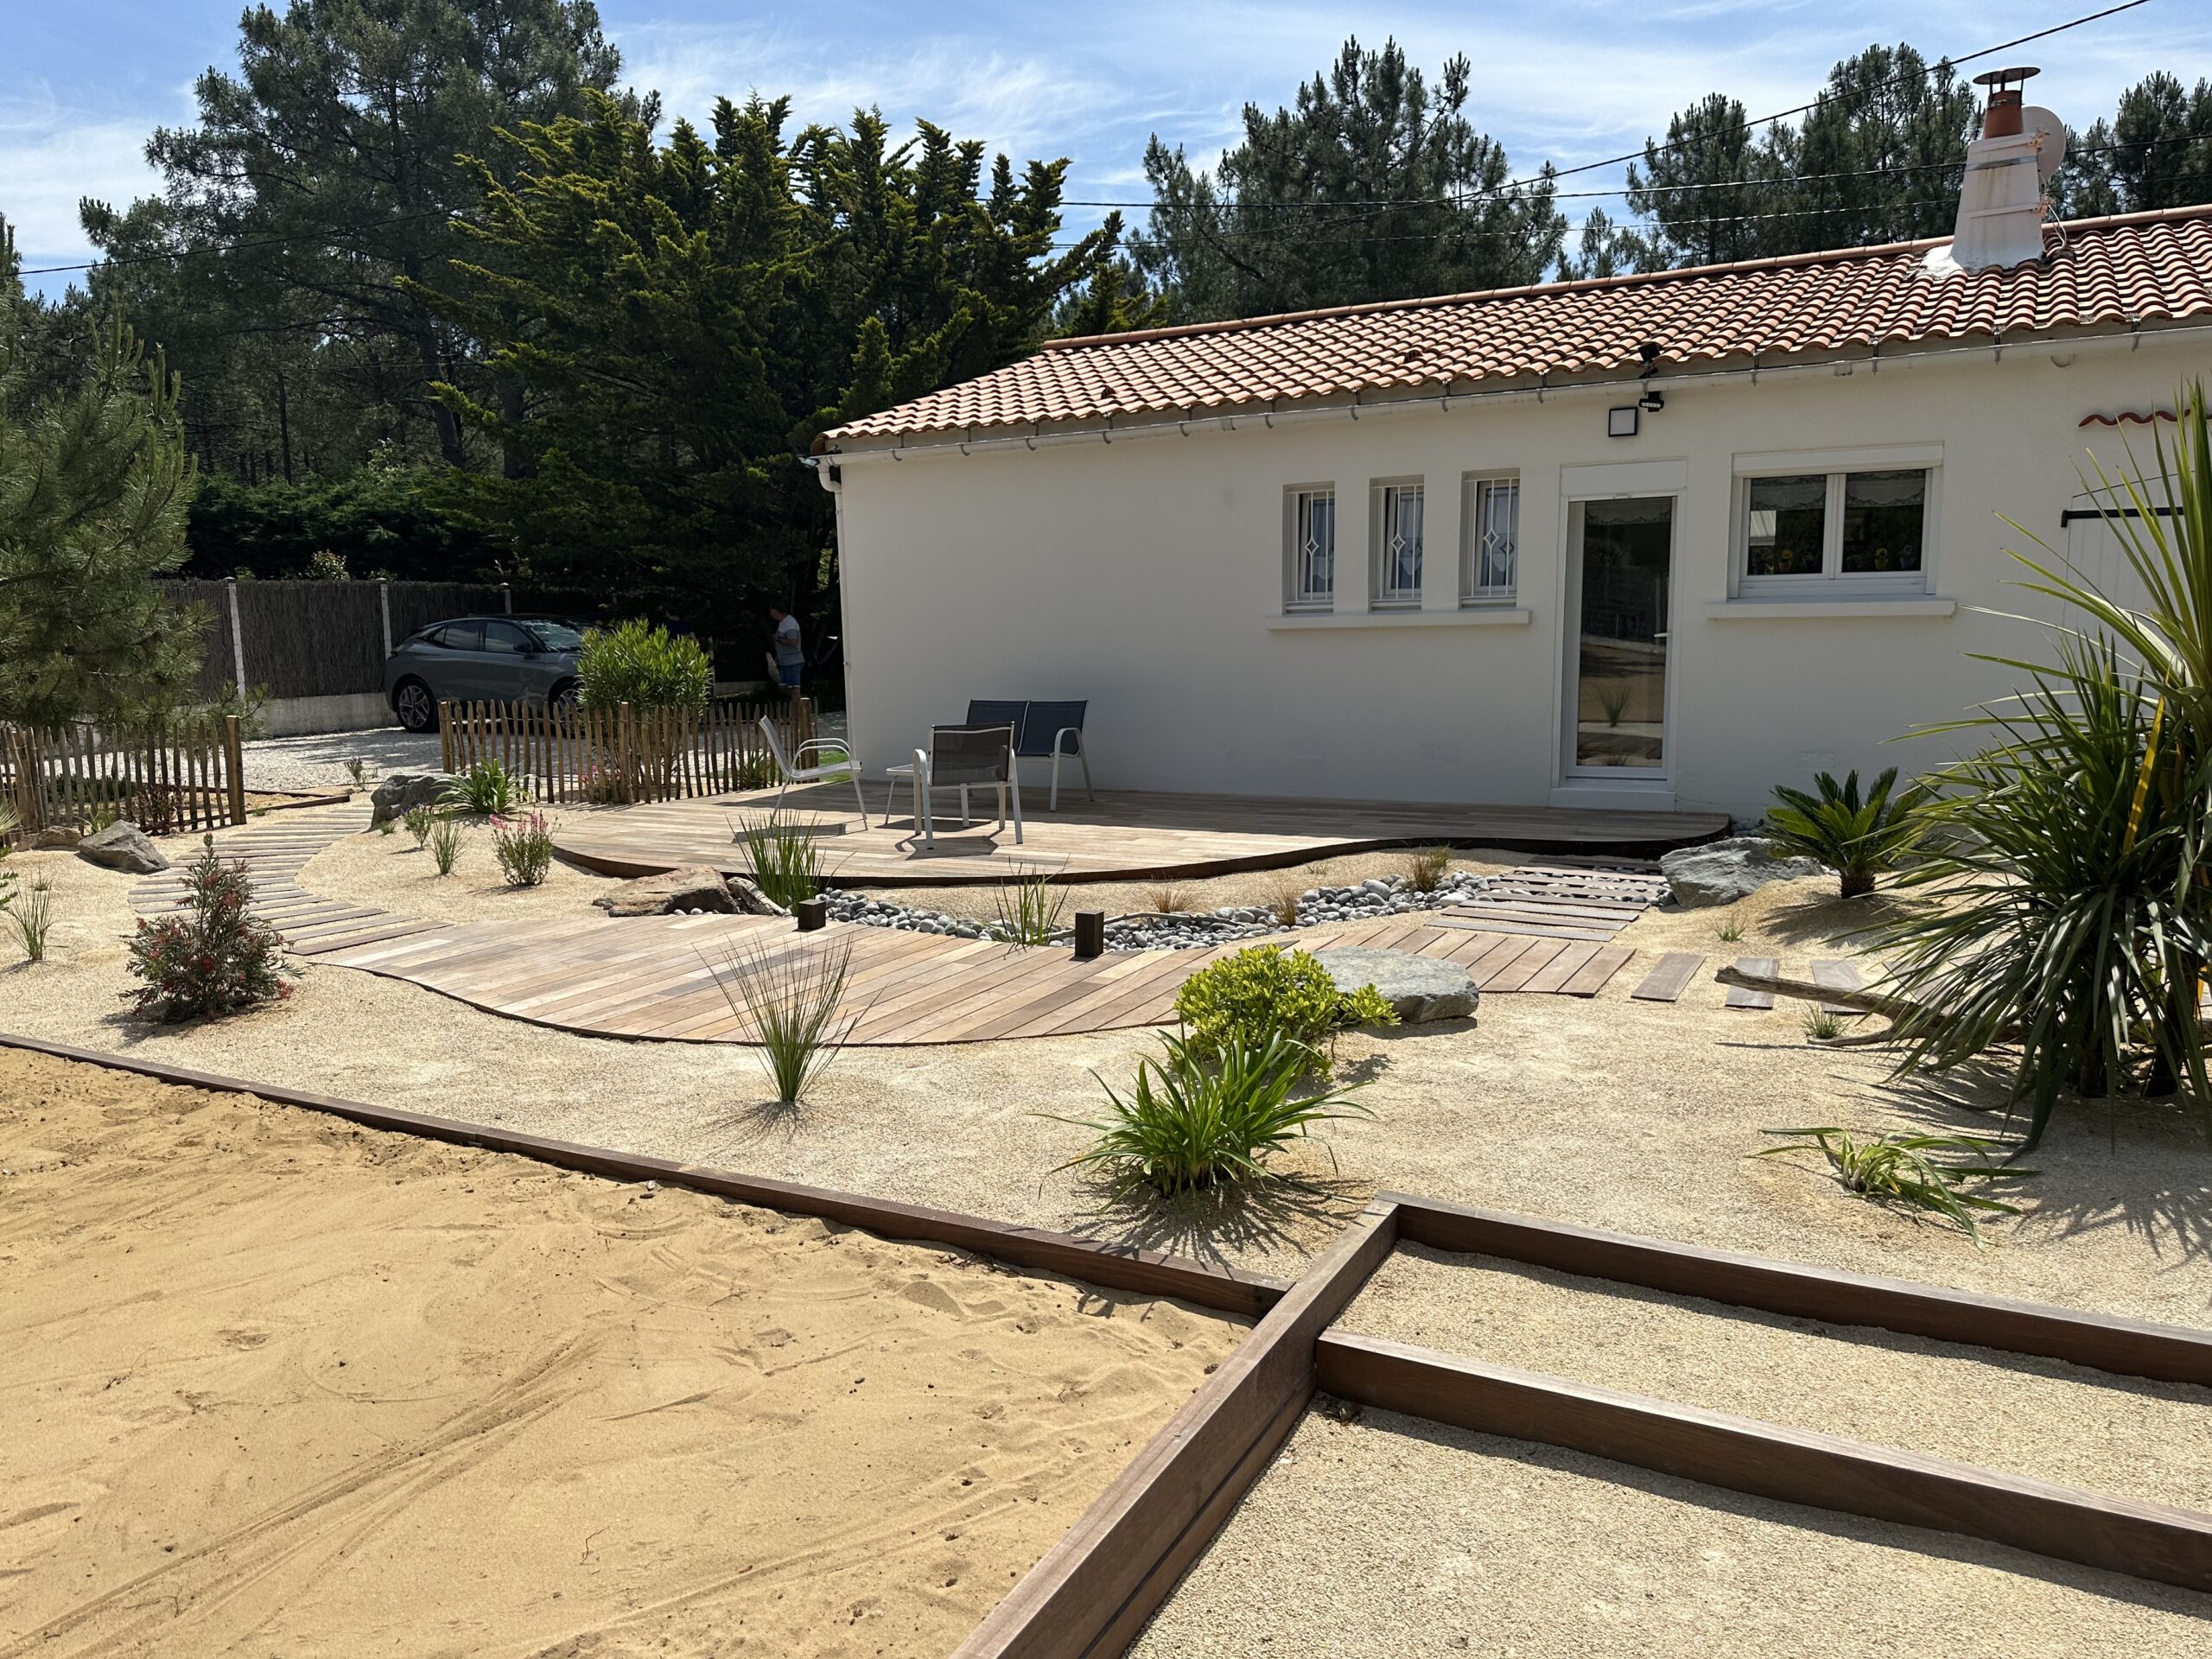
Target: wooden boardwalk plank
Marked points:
1668	981
1590	979
1740	998
1839	975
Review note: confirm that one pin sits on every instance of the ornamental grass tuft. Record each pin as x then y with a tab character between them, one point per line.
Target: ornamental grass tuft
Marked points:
796	1003
1196	1119
1897	1170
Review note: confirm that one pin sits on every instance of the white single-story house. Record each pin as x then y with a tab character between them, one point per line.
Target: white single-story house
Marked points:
1656	541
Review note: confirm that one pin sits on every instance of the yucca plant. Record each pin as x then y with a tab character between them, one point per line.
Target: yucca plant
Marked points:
1903	1170
2074	918
785	861
1195	1120
1858	838
795	1001
487	790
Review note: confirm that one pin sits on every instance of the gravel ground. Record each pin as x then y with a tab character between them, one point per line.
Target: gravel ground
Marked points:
1392	1535
2012	1412
318	762
1377	1539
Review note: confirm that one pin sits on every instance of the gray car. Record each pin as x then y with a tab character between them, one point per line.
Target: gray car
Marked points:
480	659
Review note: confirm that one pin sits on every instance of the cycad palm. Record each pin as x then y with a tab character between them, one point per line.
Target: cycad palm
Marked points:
1859	839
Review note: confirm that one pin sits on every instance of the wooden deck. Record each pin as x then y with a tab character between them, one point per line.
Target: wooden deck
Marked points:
1118	837
656	977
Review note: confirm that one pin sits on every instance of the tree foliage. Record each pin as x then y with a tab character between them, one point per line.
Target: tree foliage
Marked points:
2155	152
376	520
94	481
1374	186
682	317
316	178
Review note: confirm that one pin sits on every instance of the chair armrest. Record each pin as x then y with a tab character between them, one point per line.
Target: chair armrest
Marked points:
1074	732
838	744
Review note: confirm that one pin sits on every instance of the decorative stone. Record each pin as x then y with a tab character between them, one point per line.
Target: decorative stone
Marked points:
402	793
1420	989
122	846
48	841
695	888
1722	872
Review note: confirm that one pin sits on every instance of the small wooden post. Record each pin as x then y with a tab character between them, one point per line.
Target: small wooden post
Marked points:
1090	934
445	734
234	764
813	914
625	749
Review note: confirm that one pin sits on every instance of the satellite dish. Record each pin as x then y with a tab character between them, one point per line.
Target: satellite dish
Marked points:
2047	126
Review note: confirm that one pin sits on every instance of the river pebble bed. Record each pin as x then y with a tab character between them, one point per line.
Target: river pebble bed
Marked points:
1379	896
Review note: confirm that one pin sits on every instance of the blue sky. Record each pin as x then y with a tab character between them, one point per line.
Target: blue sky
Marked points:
82	85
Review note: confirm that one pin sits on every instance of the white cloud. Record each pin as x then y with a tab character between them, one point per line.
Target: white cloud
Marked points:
52	155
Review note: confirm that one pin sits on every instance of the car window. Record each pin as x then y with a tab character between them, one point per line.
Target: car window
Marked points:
558	636
462	636
505	636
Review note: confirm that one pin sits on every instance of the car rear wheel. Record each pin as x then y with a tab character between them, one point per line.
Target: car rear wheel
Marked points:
567	697
416	708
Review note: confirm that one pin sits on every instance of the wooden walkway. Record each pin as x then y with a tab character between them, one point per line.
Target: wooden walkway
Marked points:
657	977
1120	837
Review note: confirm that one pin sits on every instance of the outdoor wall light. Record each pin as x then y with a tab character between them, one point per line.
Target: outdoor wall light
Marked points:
1620	423
1654	399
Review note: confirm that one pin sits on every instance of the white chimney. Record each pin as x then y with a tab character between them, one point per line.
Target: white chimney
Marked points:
2001	201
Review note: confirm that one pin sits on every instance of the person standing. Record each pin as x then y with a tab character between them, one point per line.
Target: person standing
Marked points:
791	654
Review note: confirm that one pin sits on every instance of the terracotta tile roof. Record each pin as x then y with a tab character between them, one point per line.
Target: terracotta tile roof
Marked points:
2151	267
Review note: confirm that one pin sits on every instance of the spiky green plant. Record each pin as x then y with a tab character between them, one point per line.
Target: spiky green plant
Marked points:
487	790
1029	909
785	862
1426	866
1821	1026
445	845
796	1002
1203	1119
1858	838
419	820
1898	1169
1729	929
30	915
2074	919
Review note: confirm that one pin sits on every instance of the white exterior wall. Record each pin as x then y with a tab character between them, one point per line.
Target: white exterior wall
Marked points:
1145	574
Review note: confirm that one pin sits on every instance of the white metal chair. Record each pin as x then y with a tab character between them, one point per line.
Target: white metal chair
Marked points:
791	768
965	758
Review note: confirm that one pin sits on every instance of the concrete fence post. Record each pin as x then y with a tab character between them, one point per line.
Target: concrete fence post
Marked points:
238	637
507	596
383	603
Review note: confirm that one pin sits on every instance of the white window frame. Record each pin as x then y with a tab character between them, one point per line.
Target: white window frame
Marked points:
1832	580
1300	591
1476	490
1386	498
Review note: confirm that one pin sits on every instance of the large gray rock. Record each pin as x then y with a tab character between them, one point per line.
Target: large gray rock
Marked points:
403	791
123	846
1722	872
678	893
1419	988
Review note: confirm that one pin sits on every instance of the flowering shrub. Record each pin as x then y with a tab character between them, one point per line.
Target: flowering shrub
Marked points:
602	785
524	847
212	957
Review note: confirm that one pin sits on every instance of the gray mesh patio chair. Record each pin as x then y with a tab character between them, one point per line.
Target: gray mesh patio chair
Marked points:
1040	730
965	758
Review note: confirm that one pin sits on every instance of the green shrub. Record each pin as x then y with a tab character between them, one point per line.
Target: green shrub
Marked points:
1268	991
1206	1118
1859	839
1896	1169
487	790
524	847
645	666
213	955
418	822
784	861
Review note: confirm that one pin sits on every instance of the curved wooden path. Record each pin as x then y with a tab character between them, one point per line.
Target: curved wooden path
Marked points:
1120	837
659	978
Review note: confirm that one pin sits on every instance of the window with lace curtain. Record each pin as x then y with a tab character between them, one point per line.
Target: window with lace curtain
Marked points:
1309	553
1489	534
1397	517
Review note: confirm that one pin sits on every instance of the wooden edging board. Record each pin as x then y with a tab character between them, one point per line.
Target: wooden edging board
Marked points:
1093	1591
2104	1342
2120	1535
1115	1267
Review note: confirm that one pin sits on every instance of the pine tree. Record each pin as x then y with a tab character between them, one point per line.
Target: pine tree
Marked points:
2155	152
94	483
1375	187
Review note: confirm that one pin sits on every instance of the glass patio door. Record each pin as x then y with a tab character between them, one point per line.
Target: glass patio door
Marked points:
1617	680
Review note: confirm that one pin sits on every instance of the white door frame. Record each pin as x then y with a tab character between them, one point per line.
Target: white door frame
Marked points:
1578	485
